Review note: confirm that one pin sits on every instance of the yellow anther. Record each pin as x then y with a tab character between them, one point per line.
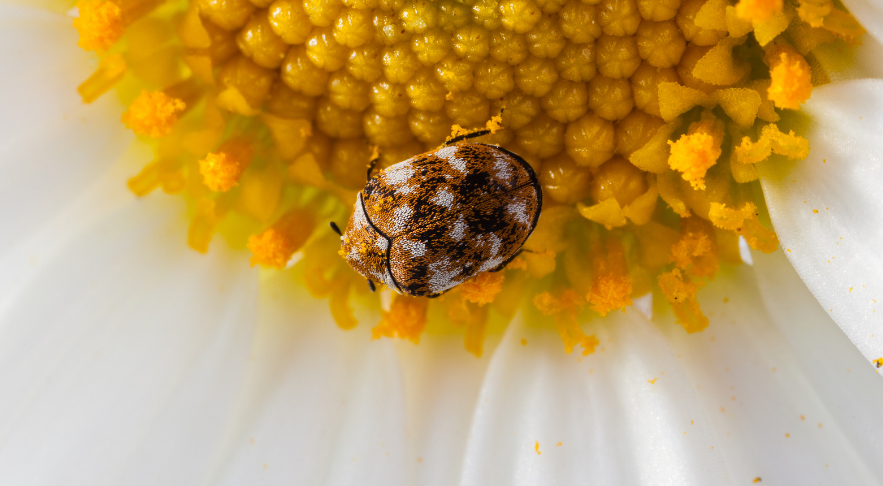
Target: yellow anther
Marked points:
483	288
791	80
695	152
100	24
758	10
405	319
153	114
221	170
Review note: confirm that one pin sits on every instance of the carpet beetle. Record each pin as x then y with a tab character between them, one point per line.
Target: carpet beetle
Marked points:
429	223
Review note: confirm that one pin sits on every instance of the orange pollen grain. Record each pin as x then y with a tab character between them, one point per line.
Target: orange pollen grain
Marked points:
100	24
791	81
153	114
693	155
758	10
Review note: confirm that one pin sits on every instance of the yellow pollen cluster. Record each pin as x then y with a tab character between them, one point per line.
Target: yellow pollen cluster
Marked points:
100	24
791	81
153	114
643	120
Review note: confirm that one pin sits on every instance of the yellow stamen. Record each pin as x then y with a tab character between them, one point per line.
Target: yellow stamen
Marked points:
100	24
110	70
744	222
681	295
771	141
274	247
695	152
758	10
153	114
564	308
791	80
611	287
406	319
221	170
483	288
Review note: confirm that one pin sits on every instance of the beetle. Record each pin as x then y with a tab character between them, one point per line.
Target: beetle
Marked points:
426	224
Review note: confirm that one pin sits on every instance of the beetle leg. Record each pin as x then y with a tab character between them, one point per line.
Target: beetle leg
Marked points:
466	136
335	228
371	286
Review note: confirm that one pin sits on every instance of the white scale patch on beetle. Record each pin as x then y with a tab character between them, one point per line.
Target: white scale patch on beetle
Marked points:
448	153
415	248
502	168
459	230
441	276
399	175
495	260
443	198
359	219
400	218
518	212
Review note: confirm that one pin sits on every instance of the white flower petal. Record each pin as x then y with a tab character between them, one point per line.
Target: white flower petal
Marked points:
614	426
772	363
54	147
617	428
120	360
837	250
870	14
850	390
319	405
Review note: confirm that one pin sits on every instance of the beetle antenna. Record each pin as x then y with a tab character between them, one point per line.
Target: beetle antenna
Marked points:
335	228
371	286
375	157
467	136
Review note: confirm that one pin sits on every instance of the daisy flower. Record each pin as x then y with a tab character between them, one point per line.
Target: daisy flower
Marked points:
172	309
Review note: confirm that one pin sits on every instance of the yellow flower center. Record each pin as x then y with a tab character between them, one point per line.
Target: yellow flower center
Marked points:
643	119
